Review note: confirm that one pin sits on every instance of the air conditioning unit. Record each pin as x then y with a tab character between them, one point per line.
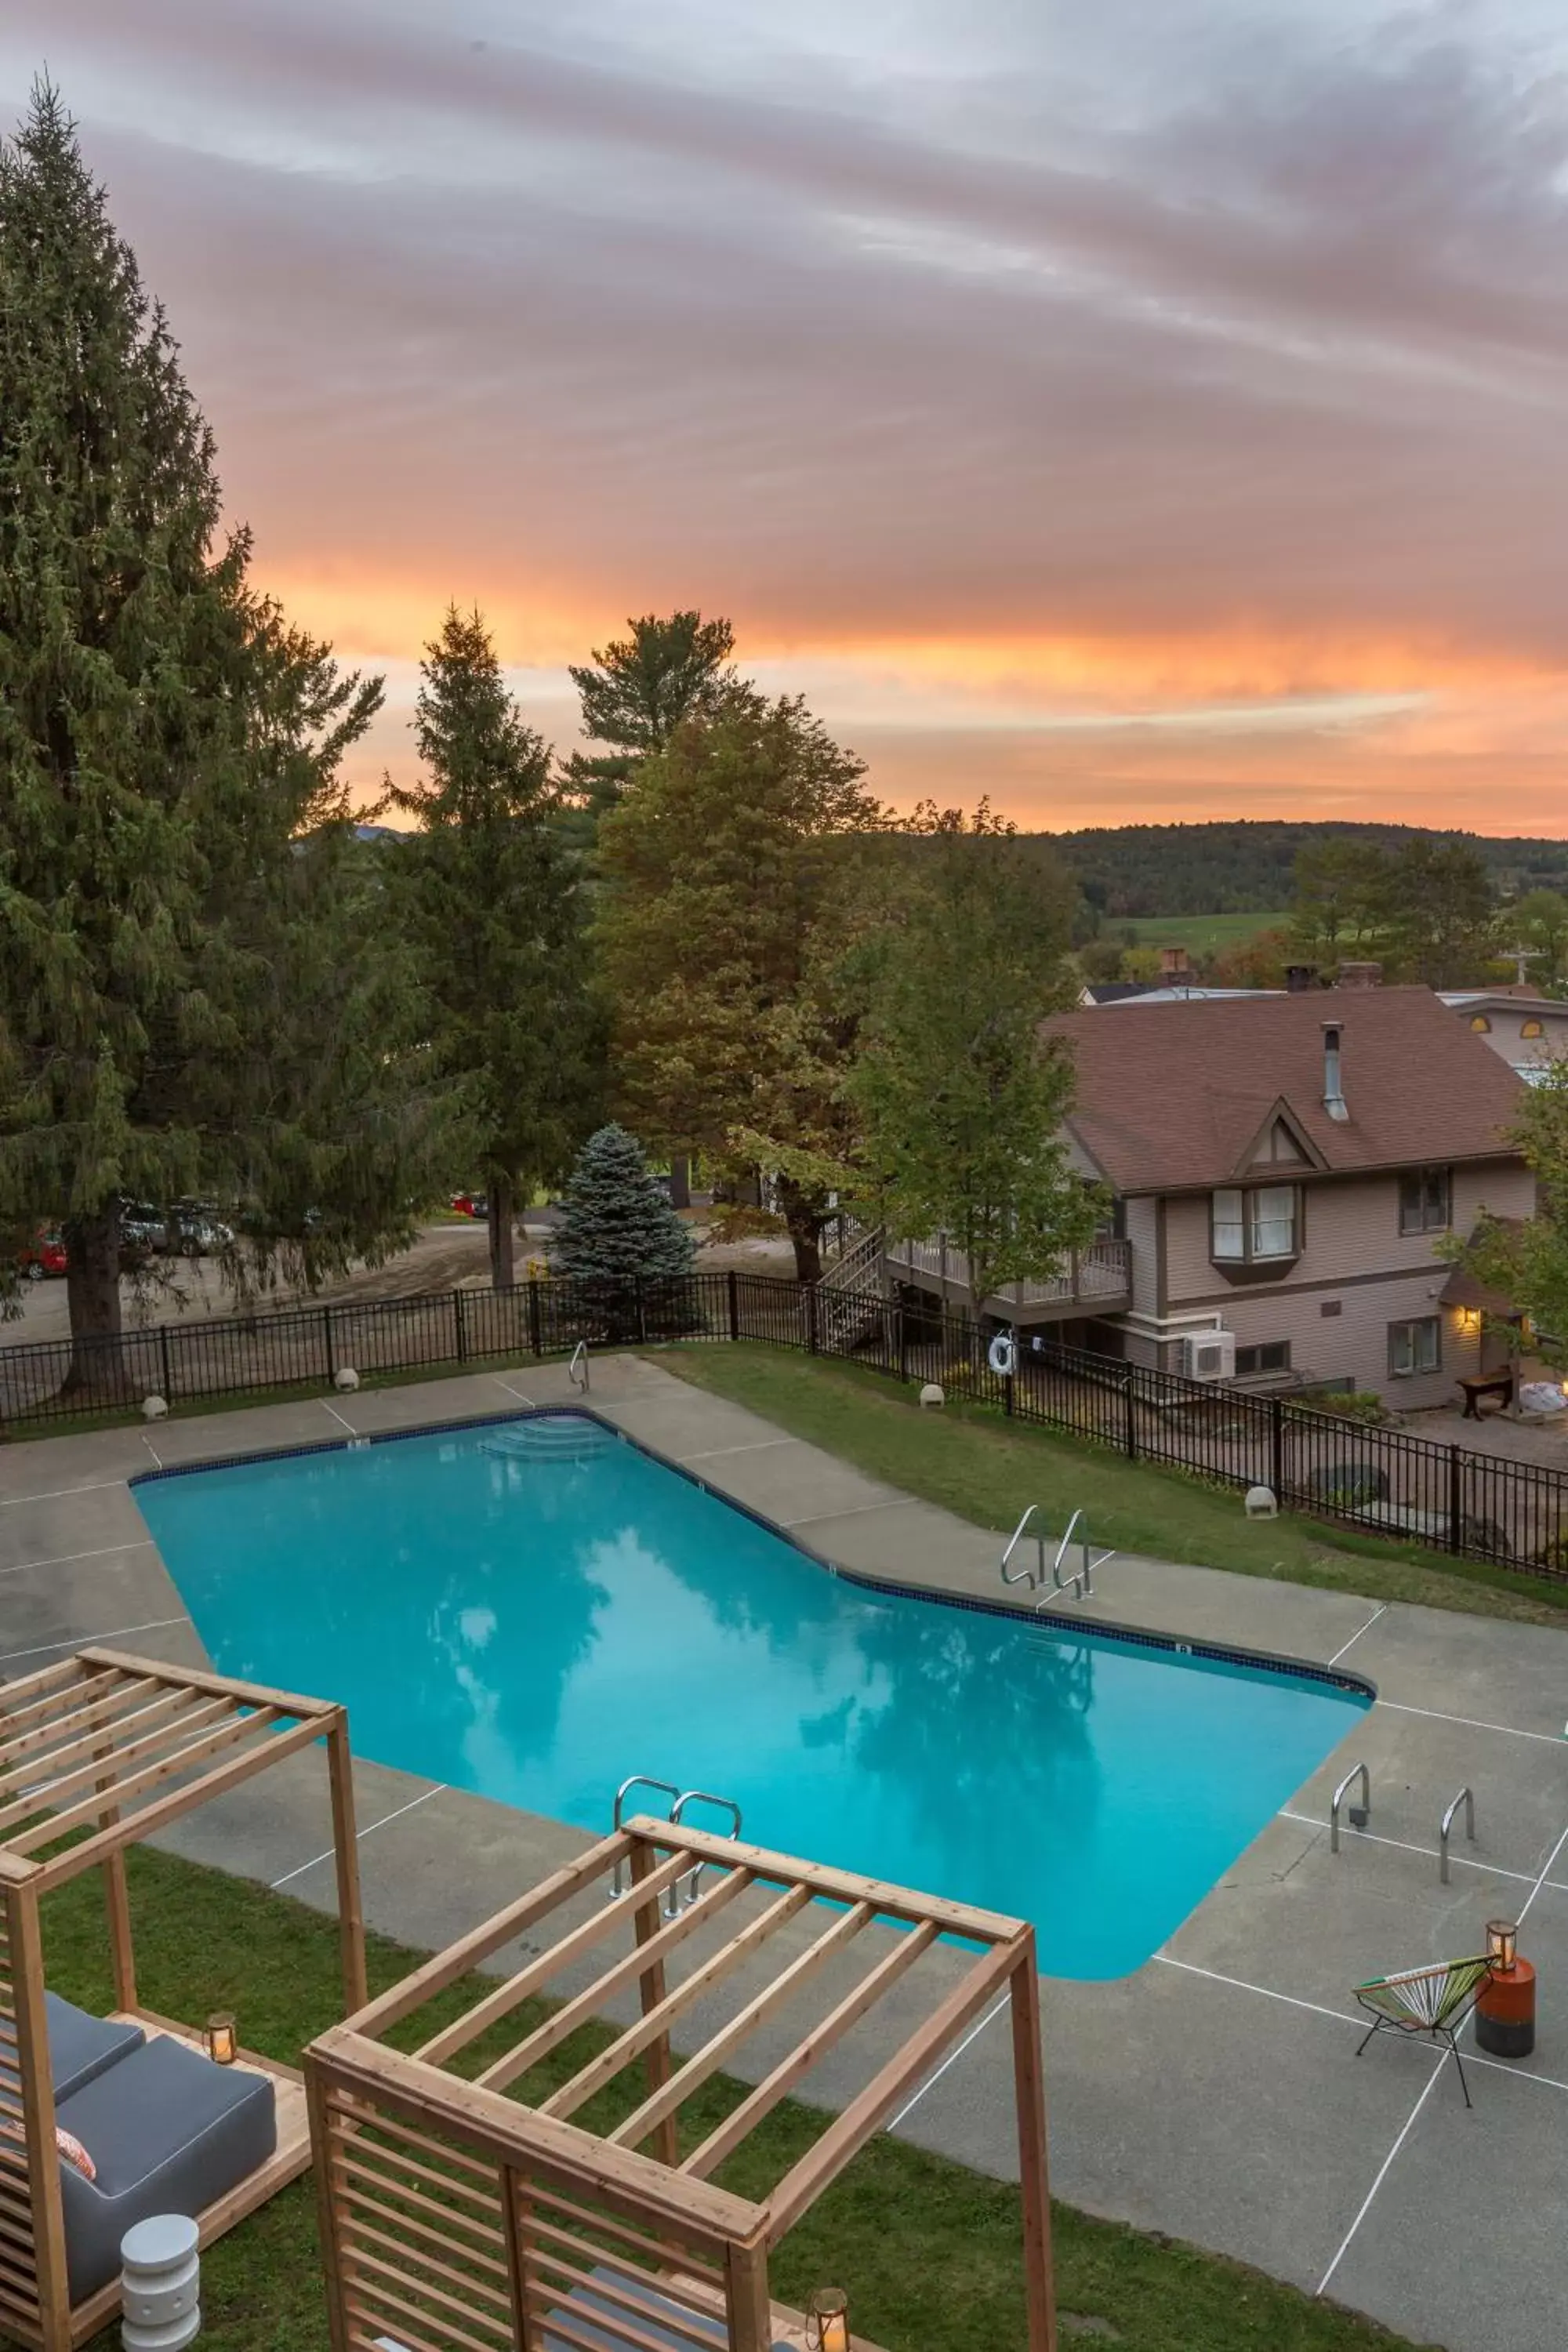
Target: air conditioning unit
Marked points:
1209	1356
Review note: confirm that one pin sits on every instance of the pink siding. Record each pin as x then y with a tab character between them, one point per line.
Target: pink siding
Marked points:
1354	1255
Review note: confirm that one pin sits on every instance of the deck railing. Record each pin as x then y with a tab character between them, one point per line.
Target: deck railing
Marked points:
1095	1276
1381	1481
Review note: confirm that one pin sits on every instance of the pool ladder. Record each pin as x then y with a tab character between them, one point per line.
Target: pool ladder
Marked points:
577	1373
1080	1583
682	1891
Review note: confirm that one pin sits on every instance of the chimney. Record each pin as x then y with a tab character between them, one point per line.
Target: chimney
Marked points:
1334	1090
1173	963
1299	978
1359	975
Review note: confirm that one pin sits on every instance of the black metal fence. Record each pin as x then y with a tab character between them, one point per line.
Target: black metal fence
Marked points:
1382	1481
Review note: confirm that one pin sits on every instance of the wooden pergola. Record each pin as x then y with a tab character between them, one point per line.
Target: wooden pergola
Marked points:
465	2209
107	1748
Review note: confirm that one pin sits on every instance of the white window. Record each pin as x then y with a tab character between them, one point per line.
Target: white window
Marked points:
1250	1226
1415	1347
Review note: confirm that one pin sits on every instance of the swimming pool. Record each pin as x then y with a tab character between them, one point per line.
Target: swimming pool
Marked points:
534	1609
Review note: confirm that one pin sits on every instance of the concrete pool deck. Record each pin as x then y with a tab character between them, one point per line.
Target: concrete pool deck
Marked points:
1213	2095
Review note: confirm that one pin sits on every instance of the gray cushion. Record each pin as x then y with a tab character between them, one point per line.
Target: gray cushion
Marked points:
169	2132
83	2045
581	2308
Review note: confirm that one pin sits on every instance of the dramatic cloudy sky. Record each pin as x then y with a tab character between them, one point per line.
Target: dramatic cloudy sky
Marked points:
1127	407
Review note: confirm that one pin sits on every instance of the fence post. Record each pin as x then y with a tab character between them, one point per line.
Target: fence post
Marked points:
734	1306
1276	1445
903	1342
1008	1395
642	1310
1455	1500
1129	1426
535	1335
461	1322
163	1361
811	1340
327	1335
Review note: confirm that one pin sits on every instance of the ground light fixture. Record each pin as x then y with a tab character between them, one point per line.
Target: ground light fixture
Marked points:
828	2320
1502	1944
221	2041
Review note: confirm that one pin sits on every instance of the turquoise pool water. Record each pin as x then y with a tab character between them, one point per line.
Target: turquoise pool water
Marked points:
534	1611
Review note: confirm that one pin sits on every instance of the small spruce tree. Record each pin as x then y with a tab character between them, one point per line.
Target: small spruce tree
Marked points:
619	1224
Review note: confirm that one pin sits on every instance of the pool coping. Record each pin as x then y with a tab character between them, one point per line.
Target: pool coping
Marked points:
1104	1629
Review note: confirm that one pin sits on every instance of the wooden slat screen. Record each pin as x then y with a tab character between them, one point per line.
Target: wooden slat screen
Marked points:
18	2269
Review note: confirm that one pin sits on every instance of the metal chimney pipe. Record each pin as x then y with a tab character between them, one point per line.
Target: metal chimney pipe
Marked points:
1334	1091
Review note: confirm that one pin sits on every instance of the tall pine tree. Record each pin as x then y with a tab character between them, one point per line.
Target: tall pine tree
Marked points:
493	910
636	692
185	1003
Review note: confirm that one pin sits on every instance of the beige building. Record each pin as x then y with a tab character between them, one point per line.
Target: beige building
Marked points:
1530	1031
1282	1170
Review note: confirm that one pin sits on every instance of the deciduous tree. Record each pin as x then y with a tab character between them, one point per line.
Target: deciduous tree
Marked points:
960	1096
719	873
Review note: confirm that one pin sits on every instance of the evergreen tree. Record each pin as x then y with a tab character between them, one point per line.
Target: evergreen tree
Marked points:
493	910
962	1099
636	693
182	1008
618	1223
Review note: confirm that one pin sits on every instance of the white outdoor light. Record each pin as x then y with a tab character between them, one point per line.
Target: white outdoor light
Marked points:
160	2286
153	1408
1262	1503
932	1394
346	1378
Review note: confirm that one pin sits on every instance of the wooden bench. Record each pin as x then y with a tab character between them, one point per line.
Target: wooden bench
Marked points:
1481	1385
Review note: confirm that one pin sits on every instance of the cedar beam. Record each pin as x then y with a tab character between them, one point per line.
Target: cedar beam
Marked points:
572	2014
838	1886
777	2086
866	2115
729	1956
1034	2177
346	1857
711	2055
538	1972
402	1999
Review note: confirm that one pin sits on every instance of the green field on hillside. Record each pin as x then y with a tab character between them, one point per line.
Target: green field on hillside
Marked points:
1199	934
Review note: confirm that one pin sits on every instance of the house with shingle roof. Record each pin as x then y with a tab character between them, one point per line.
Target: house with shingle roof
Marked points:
1281	1169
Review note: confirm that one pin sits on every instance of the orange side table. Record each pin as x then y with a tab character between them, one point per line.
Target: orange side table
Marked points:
1505	2013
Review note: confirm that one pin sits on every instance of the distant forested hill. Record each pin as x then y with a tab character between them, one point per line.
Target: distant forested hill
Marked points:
1245	868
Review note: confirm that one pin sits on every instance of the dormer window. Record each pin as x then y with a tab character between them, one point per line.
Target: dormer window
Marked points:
1257	1224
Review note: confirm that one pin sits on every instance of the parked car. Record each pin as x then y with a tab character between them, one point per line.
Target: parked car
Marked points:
472	1204
195	1228
141	1233
45	1253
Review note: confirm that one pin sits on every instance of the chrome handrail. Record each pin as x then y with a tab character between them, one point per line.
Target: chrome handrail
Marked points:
1083	1584
690	1881
1359	1813
580	1357
1028	1575
637	1780
1466	1798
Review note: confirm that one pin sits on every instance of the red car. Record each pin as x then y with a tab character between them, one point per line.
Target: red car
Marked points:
46	1254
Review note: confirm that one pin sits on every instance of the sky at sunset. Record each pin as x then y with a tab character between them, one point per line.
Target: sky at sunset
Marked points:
1128	408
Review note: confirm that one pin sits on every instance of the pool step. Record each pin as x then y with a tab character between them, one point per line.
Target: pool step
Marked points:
555	1437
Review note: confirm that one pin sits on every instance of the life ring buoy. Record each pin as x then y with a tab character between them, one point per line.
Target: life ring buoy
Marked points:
1003	1355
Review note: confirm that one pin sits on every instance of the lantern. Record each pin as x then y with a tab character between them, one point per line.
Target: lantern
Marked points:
828	2321
1502	1946
221	2040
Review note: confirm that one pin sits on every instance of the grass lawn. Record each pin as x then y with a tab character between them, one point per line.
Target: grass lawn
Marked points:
984	1468
1199	934
929	2250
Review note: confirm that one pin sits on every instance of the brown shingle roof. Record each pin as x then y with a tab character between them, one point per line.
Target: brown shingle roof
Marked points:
1172	1096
